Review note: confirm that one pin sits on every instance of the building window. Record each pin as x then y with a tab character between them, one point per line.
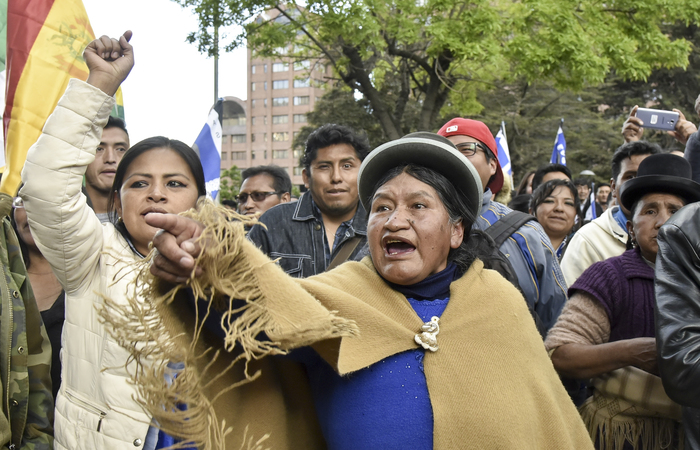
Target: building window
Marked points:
297	153
252	137
253	120
237	155
265	86
265	140
252	87
254	103
295	134
301	65
280	119
280	136
264	120
280	84
283	101
223	156
233	121
238	138
303	83
299	118
280	67
252	155
279	154
265	102
265	68
252	70
297	170
303	100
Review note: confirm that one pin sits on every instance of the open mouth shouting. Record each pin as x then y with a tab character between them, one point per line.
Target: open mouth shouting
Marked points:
397	246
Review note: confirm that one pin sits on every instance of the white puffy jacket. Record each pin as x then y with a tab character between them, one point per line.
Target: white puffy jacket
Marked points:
95	407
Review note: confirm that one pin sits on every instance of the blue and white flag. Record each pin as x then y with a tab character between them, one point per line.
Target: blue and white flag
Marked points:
208	146
559	152
503	152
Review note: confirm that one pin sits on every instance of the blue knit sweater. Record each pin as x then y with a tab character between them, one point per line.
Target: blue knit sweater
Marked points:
386	405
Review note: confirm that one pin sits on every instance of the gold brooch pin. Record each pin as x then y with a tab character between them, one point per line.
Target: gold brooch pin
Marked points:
428	336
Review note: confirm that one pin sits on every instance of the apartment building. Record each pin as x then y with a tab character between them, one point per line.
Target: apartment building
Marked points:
260	130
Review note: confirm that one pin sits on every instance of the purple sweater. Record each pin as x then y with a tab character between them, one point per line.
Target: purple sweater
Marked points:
624	285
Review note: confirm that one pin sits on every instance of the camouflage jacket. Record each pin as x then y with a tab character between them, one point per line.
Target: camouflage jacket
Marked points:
25	352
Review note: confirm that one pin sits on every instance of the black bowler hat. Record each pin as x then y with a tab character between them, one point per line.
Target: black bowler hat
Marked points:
662	173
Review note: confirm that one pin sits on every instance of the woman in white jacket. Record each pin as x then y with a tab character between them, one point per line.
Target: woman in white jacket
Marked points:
96	407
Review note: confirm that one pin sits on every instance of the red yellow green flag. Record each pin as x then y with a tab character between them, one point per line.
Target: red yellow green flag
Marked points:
45	42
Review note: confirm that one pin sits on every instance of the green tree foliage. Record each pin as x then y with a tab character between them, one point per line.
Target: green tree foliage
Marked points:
434	51
339	105
230	183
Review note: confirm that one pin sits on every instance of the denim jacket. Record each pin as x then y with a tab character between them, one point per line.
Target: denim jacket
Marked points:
294	237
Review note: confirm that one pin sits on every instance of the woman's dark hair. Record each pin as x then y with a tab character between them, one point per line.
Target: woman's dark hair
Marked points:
183	150
474	243
522	187
521	203
545	190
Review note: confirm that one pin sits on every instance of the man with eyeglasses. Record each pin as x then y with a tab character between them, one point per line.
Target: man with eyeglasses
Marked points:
263	187
528	249
328	225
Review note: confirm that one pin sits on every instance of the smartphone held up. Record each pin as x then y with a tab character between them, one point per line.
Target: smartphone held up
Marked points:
658	118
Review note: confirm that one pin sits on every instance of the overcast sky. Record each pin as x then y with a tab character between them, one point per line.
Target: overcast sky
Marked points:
171	88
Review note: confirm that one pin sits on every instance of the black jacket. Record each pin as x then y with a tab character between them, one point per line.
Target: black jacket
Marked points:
294	237
678	315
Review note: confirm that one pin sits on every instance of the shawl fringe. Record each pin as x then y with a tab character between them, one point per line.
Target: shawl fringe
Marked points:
152	331
613	422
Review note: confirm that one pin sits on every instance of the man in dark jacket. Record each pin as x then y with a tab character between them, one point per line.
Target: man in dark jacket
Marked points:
677	318
328	224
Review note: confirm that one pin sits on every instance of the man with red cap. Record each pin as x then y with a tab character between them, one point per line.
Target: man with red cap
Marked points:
528	249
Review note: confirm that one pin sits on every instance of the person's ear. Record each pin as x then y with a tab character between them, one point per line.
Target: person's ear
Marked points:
286	197
457	235
493	164
305	177
630	229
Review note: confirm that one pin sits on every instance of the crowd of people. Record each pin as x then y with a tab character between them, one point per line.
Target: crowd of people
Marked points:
396	302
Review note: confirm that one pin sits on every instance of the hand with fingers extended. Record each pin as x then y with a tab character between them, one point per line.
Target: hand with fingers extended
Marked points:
176	245
684	128
109	61
632	129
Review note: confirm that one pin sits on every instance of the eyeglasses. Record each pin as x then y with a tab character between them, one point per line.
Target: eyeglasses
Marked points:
257	196
469	148
17	202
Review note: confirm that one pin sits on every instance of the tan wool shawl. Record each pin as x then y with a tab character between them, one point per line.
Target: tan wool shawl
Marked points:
491	383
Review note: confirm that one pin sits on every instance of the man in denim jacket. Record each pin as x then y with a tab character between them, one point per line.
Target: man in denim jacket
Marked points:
308	236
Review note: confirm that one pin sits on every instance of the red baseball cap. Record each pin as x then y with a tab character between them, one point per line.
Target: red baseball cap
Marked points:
479	131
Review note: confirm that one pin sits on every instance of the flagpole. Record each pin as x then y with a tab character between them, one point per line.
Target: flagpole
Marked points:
216	51
216	64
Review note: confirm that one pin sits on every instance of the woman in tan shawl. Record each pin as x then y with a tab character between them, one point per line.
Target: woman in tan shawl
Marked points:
432	350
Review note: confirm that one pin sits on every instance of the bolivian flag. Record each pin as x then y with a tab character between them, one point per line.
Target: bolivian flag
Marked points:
45	43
